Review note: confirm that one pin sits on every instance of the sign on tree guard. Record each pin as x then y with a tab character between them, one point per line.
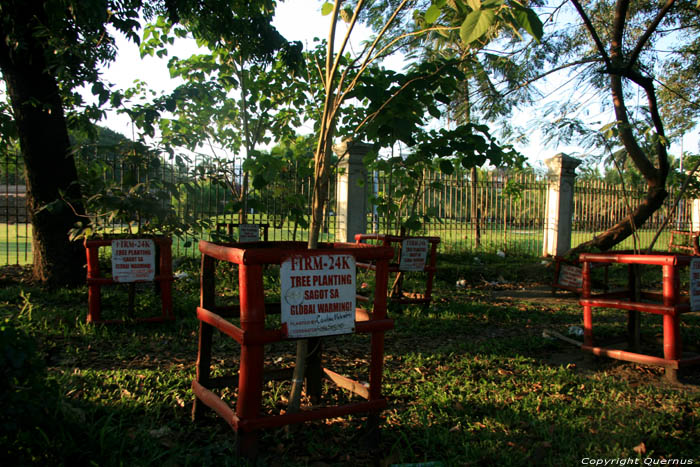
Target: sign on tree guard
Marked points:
414	252
570	276
695	284
133	260
249	233
318	295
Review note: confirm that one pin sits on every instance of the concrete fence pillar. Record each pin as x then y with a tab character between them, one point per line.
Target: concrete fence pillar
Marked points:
560	204
695	216
351	214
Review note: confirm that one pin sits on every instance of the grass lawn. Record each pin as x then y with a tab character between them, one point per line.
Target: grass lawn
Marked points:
471	380
16	240
15	244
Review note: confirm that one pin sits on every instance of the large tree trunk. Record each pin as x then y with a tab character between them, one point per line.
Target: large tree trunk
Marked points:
623	229
619	66
49	165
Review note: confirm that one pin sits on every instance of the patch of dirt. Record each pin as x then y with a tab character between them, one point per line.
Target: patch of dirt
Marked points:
541	293
634	374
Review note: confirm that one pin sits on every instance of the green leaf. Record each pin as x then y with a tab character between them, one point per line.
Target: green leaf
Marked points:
609	130
442	98
346	14
259	181
446	167
474	4
326	8
476	24
434	111
529	21
432	14
492	4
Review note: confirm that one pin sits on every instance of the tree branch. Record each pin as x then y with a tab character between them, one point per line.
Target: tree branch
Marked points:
592	31
650	30
619	21
396	93
625	128
549	72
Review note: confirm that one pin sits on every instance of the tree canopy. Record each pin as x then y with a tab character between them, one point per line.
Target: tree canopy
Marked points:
471	58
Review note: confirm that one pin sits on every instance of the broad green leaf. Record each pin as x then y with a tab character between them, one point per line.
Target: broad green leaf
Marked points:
326	8
346	14
432	14
492	4
442	98
609	130
474	4
434	111
476	24
529	21
446	167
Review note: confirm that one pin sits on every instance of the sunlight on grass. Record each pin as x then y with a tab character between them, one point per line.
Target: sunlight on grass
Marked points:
470	380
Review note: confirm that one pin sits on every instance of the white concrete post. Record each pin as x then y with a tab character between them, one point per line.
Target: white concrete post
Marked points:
695	216
560	204
351	214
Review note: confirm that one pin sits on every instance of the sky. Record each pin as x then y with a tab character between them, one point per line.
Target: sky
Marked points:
296	20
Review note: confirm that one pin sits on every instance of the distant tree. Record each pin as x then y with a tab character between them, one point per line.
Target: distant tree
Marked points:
234	98
48	51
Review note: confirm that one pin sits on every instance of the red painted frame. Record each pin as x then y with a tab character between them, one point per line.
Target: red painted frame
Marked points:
392	241
692	246
669	304
252	336
95	280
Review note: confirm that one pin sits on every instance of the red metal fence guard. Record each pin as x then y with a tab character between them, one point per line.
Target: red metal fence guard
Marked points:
669	304
397	294
252	336
95	280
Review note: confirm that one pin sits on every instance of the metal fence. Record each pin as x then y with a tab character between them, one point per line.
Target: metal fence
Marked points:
497	211
506	211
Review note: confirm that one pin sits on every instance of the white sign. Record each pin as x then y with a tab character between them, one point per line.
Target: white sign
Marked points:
318	295
695	284
248	233
414	252
570	276
133	260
